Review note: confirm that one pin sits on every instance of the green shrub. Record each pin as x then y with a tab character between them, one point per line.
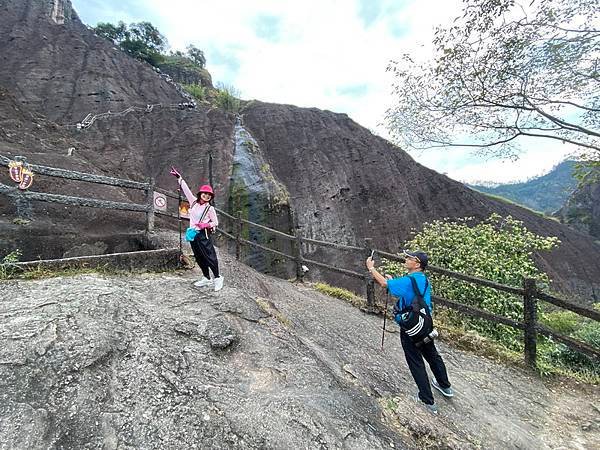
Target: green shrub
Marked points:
497	249
8	266
195	90
227	98
553	355
564	322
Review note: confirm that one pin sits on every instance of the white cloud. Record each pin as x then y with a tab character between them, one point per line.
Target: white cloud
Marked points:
324	45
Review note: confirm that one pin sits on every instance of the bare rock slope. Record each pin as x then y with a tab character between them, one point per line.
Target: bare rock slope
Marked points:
149	361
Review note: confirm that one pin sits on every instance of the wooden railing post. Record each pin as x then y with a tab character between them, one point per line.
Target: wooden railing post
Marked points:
24	211
298	254
238	235
530	321
370	283
150	204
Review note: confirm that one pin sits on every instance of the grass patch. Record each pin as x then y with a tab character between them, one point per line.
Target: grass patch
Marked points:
39	272
195	90
462	338
342	294
550	361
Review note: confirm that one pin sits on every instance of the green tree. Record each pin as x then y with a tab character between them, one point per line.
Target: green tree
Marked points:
503	71
141	40
196	55
115	33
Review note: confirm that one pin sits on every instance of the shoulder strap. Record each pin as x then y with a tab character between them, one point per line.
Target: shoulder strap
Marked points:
419	297
413	281
205	212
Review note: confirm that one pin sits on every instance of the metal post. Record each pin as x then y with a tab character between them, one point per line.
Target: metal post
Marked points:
370	283
150	204
530	320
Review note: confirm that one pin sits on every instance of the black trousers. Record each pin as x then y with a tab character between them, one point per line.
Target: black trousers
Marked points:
205	254
414	358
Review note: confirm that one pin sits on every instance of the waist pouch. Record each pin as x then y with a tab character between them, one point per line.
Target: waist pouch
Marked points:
190	234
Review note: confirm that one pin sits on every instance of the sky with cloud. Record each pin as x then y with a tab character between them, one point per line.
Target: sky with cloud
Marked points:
329	54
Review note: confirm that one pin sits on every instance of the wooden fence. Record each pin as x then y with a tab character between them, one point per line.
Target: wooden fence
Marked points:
528	291
26	196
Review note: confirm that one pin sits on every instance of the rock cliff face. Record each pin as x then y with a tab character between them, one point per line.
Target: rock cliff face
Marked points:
346	184
342	183
187	75
62	70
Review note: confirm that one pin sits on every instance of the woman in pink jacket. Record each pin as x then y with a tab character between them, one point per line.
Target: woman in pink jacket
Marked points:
203	219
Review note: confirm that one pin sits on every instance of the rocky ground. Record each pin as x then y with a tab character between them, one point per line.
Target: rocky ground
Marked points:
147	361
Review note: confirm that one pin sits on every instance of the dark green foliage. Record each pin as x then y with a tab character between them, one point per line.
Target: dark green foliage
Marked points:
586	331
114	33
196	55
195	90
141	40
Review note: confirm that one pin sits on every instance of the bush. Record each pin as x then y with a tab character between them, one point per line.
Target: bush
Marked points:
564	322
227	98
557	355
8	265
195	90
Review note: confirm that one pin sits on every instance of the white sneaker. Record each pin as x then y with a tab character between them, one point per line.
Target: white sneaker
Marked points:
203	282
218	283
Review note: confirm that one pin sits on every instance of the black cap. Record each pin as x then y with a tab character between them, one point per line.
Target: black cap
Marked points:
421	256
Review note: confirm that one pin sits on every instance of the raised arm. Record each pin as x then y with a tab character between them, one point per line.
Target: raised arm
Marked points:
380	279
191	198
184	187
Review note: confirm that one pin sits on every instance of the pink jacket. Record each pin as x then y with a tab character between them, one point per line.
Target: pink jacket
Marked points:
196	209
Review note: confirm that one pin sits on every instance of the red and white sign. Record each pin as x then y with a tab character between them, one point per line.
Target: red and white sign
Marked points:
160	201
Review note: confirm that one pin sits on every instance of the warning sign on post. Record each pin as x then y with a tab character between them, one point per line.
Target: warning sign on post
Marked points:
160	202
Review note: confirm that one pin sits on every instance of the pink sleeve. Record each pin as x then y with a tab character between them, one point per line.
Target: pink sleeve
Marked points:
191	198
212	217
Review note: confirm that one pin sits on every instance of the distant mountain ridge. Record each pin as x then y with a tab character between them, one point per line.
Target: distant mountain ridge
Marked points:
547	193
